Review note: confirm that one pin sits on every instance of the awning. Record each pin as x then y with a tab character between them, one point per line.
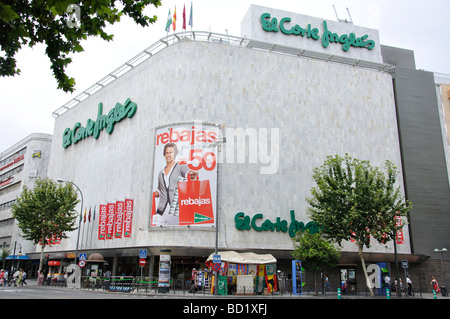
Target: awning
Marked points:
17	257
54	263
244	258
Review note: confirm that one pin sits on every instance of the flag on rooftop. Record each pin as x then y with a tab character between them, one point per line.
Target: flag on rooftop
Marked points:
184	17
169	21
175	19
191	20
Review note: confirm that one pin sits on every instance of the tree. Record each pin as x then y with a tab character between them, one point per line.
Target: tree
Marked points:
4	254
315	252
46	212
354	201
60	25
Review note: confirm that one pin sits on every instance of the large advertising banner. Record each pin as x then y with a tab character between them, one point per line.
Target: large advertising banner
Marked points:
185	175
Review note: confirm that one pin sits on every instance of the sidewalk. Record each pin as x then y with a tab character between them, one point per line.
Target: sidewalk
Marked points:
186	295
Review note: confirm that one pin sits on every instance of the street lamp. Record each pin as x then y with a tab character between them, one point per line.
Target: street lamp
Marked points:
81	212
216	278
440	252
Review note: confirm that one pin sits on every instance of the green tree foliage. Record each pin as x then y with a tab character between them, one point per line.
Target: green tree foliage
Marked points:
55	24
315	252
353	200
46	211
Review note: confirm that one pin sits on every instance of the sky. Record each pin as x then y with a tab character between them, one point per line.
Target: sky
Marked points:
28	100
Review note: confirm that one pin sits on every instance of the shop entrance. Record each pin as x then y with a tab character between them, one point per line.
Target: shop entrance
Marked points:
348	280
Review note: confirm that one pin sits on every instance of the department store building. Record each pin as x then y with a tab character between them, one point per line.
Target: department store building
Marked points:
251	115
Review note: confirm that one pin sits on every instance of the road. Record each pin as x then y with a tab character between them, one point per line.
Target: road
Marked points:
36	292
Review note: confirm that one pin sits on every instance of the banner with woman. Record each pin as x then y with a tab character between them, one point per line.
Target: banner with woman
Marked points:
184	190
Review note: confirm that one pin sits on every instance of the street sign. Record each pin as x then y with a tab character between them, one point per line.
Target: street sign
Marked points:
404	264
81	263
143	253
83	256
216	267
142	262
217	259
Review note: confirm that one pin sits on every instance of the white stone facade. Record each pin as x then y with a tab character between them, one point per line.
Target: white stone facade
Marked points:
319	108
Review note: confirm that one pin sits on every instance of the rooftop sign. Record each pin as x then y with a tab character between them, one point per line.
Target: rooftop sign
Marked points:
332	38
346	40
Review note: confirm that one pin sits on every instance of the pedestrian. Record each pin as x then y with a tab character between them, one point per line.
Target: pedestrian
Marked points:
19	278
434	284
5	278
387	282
409	283
327	283
40	278
14	278
2	275
24	277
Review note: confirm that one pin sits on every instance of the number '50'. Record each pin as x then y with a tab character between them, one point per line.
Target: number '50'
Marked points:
207	161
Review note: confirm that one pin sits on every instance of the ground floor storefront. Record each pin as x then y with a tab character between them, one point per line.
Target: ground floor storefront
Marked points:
196	273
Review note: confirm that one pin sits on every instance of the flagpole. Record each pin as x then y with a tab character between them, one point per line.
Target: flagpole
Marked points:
89	222
84	227
93	226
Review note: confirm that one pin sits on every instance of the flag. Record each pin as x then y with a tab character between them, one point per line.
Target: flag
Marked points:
184	17
191	21
84	215
93	217
175	19
169	22
89	216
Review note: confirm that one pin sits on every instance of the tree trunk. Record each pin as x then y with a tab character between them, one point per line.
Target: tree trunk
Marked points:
363	264
41	262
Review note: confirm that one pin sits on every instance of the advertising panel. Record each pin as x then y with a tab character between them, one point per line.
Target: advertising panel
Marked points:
102	223
127	222
118	220
111	207
185	175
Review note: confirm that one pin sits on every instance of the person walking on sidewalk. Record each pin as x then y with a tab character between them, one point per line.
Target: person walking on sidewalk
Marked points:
408	281
434	284
327	283
24	277
2	276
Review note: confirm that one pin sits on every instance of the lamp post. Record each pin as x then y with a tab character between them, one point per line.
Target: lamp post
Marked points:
81	212
440	252
216	245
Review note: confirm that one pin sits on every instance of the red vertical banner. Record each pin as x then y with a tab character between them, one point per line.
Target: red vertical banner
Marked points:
118	220
110	220
399	236
129	203
102	223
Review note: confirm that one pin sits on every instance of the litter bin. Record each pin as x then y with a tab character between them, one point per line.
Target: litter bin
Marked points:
444	291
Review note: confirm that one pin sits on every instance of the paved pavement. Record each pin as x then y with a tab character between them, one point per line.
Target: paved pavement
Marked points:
32	291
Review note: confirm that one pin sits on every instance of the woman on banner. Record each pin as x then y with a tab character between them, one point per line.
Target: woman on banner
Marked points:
167	183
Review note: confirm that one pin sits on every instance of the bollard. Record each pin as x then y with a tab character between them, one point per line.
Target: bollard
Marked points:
339	293
388	294
434	294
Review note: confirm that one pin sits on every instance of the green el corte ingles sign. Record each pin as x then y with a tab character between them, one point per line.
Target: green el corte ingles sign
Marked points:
93	128
346	40
257	223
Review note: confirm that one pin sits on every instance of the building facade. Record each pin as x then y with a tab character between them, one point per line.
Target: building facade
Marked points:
20	165
251	117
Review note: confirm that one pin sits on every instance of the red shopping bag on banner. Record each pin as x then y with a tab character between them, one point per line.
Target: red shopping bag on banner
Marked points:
194	202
